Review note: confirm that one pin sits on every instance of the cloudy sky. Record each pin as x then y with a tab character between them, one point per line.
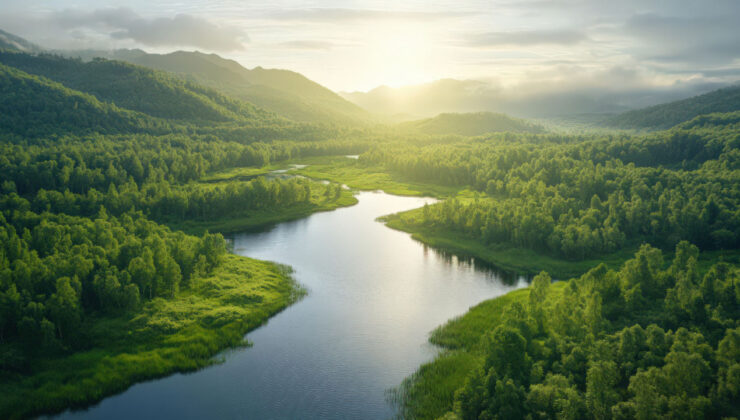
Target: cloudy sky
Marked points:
358	45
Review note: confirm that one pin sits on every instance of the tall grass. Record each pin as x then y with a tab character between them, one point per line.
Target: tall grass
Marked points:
165	336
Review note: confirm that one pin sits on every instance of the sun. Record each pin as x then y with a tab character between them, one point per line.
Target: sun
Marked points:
400	53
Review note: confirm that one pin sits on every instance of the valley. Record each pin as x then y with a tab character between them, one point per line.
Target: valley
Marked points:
183	236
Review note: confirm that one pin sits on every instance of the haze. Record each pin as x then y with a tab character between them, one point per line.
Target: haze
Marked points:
359	45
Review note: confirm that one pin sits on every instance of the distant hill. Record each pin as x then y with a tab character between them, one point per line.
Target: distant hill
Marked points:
726	120
12	42
451	95
284	92
425	100
673	113
137	88
34	106
472	124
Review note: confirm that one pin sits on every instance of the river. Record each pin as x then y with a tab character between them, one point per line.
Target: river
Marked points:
374	294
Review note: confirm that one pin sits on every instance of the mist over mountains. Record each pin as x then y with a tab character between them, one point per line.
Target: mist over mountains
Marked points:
615	100
450	95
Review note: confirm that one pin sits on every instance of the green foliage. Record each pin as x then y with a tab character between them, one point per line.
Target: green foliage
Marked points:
157	94
33	106
47	95
584	361
161	337
581	198
673	113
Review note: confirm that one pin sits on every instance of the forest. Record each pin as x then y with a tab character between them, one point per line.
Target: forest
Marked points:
640	342
114	268
578	198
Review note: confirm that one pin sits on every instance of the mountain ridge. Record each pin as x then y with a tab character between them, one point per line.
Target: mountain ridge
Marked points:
669	114
472	124
284	92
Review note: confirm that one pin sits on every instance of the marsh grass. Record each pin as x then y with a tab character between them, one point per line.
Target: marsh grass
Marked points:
429	393
358	175
165	336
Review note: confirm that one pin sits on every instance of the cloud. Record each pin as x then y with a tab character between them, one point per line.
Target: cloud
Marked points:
125	24
698	40
526	38
307	45
339	15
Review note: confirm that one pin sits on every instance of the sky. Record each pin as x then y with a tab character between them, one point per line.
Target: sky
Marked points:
356	45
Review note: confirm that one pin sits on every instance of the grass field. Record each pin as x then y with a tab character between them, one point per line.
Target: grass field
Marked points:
163	337
357	175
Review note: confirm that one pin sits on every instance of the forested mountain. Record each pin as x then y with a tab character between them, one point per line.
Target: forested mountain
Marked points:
284	92
12	42
137	88
127	98
32	106
670	114
451	95
472	124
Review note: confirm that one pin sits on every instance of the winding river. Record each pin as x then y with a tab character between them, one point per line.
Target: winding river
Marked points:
374	294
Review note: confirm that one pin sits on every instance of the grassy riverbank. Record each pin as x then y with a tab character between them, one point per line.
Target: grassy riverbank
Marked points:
163	337
429	392
358	175
519	260
261	219
526	261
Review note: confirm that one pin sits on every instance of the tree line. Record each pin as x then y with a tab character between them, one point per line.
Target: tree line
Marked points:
583	198
642	342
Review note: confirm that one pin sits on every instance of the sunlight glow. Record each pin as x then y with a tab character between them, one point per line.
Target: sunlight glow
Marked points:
400	53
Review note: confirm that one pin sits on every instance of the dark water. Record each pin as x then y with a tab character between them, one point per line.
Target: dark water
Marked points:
374	295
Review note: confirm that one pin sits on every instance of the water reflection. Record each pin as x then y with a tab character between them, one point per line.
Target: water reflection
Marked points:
374	296
465	262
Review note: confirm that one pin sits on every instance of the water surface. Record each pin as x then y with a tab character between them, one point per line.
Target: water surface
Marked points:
374	294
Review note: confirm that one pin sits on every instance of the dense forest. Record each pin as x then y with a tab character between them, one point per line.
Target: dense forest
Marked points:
111	175
80	238
96	183
582	197
641	342
673	113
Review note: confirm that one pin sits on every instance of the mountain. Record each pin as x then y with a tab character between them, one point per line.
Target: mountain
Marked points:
284	92
34	106
12	42
461	96
472	124
673	113
137	88
426	100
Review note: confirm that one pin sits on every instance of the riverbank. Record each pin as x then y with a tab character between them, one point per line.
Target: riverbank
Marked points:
519	260
262	219
163	337
429	393
360	176
526	261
